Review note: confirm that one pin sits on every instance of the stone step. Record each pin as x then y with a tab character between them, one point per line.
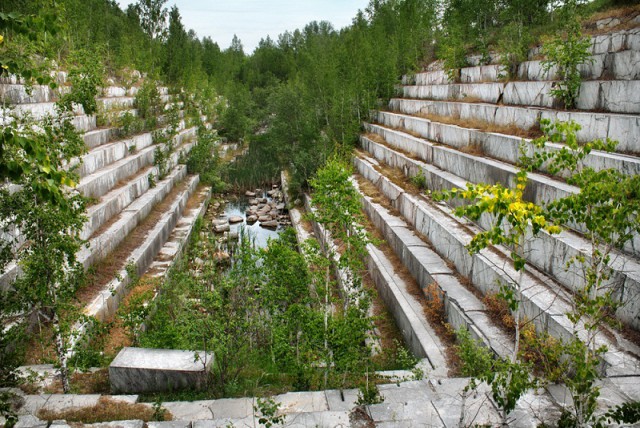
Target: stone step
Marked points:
615	96
175	245
485	92
540	188
41	110
115	200
60	77
100	182
407	311
118	199
620	127
20	94
156	252
103	180
61	402
435	403
463	308
102	156
84	122
16	93
116	103
609	43
544	302
105	155
427	402
127	220
621	65
119	91
98	137
550	253
495	145
134	197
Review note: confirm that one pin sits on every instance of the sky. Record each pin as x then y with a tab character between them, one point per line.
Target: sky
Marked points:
253	20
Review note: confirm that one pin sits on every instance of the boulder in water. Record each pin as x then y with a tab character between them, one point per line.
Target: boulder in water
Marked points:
235	219
269	224
220	226
250	194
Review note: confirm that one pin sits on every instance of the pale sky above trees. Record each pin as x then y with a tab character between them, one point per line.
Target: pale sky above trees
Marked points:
252	20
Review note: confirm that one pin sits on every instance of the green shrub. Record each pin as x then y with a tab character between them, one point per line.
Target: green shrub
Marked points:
86	75
566	52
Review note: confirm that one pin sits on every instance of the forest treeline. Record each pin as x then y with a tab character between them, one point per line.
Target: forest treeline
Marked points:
303	96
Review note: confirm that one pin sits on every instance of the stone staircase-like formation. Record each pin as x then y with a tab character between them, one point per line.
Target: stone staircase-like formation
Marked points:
470	131
452	133
135	215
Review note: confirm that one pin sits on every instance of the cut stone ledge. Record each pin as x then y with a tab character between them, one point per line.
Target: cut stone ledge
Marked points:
138	370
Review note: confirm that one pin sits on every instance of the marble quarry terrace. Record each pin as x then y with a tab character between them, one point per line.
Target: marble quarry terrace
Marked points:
442	131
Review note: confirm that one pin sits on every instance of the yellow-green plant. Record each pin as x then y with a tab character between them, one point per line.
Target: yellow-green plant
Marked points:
608	207
514	219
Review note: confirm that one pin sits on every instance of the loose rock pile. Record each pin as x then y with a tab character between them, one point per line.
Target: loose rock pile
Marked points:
269	211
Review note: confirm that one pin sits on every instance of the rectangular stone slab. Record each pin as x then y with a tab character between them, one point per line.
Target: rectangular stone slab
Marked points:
136	370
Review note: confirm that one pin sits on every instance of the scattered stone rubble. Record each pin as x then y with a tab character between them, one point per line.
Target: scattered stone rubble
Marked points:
269	210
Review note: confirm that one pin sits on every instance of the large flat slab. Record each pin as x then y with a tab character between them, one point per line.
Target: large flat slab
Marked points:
151	370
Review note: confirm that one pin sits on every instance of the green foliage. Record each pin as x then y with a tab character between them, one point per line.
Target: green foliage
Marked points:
129	124
513	220
453	52
267	409
508	208
148	104
263	317
338	209
514	46
607	205
86	75
584	372
368	394
26	37
152	16
158	411
235	121
87	350
565	53
508	380
627	413
27	155
205	160
161	160
7	410
477	360
49	219
420	181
